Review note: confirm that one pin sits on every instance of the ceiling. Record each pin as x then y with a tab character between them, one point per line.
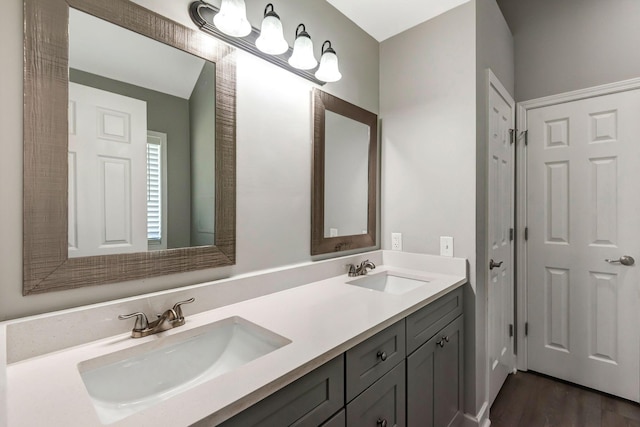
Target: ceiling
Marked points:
98	47
383	19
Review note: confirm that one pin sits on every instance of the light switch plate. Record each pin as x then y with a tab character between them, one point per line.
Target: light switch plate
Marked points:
446	246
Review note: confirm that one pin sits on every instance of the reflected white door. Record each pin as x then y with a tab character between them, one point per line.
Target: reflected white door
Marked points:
501	118
584	205
107	173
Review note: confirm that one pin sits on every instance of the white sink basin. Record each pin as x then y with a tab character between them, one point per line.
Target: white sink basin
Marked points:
389	282
128	381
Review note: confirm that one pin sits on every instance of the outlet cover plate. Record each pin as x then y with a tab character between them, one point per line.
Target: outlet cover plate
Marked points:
396	241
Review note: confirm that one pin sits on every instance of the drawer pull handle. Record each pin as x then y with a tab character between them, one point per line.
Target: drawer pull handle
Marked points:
382	356
443	340
382	422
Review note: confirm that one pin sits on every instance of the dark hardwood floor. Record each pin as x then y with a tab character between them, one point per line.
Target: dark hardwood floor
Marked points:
533	400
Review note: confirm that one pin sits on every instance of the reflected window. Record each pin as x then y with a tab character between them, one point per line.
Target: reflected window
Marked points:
156	190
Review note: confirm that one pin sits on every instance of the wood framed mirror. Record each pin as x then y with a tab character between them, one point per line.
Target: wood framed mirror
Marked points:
344	181
47	264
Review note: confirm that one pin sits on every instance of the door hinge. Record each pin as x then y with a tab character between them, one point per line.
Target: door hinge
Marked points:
526	233
511	234
514	136
510	330
526	329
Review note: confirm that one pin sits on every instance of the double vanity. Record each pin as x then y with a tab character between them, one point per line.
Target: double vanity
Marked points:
338	350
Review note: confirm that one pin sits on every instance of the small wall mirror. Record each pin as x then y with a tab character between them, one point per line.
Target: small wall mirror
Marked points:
344	175
129	145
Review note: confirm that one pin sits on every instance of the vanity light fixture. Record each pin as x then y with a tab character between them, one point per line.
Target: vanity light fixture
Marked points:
271	38
328	70
203	15
302	56
232	18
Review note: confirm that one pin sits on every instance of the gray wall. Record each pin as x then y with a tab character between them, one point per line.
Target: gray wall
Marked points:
572	44
203	133
167	114
428	112
495	51
273	154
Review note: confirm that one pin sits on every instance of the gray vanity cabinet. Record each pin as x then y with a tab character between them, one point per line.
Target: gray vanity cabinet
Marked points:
382	404
309	401
434	379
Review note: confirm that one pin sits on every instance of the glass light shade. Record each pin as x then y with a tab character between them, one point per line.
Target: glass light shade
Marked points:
302	57
232	18
328	70
271	39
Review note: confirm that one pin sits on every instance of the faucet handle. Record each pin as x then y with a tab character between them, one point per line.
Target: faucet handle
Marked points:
141	320
178	309
352	270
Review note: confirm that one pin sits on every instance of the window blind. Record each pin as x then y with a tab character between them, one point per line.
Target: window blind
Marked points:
154	192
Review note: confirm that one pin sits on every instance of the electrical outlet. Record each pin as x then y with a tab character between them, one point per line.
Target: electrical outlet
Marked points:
396	241
446	246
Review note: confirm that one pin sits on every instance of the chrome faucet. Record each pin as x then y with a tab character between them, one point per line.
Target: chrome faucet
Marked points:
171	318
360	270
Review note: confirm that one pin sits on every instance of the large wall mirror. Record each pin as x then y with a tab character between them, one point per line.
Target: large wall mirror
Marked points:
129	145
345	149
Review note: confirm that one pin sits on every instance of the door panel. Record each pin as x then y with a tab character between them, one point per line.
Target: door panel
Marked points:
107	173
500	249
582	186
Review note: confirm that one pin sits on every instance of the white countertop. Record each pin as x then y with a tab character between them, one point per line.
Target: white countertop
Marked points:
322	319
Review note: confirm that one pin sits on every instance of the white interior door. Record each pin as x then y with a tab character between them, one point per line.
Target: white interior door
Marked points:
107	173
583	205
501	118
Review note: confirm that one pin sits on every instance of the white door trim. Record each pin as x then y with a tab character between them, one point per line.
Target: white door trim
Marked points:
521	198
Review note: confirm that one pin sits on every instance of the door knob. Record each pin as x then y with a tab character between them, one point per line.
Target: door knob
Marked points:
493	264
624	260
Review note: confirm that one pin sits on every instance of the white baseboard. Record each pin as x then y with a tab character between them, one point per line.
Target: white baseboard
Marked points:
479	420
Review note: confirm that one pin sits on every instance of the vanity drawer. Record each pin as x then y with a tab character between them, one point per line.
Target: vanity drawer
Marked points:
383	401
309	401
374	357
426	322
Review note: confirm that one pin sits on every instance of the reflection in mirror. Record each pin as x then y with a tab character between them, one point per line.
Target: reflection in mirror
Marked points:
141	142
48	262
346	168
345	159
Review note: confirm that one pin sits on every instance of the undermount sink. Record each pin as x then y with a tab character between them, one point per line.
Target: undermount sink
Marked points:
389	282
125	382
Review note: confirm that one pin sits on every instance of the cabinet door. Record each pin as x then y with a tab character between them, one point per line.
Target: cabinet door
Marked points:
382	404
434	379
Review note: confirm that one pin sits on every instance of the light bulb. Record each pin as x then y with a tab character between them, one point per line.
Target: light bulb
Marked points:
271	39
302	56
328	70
232	18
